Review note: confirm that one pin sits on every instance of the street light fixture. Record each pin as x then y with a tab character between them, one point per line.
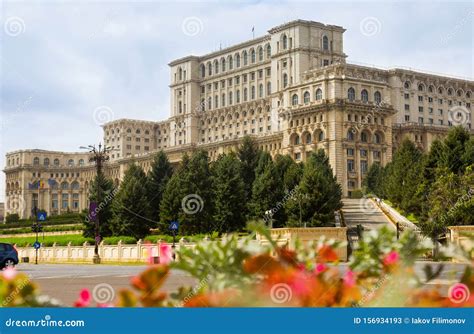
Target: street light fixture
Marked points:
99	157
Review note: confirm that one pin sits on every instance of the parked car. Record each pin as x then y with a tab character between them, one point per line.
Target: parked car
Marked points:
8	255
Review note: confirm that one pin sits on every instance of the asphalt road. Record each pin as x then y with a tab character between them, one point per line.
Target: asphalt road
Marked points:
65	281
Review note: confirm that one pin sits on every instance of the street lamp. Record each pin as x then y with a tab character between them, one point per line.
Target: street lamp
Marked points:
99	157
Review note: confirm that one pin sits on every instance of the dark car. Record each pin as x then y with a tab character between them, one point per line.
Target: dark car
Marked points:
8	255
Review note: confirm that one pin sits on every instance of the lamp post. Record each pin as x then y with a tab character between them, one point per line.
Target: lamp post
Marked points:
99	157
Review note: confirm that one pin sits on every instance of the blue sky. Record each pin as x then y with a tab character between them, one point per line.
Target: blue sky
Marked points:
66	66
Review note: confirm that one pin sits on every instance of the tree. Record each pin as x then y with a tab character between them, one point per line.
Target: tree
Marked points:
104	207
188	196
289	171
157	179
130	207
248	154
318	194
264	158
267	194
453	150
373	180
404	177
229	194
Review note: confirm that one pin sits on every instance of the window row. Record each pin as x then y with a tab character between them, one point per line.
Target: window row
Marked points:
431	89
236	61
364	95
365	136
46	162
231	98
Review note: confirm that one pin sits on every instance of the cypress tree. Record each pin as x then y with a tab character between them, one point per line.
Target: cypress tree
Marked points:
157	179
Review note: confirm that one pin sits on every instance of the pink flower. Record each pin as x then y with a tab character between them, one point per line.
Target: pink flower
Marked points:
165	254
349	278
9	273
300	283
320	267
84	298
391	258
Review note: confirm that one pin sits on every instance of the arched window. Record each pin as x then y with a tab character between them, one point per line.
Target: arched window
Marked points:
285	80
237	60
269	51
306	97
350	135
223	65
245	94
252	92
231	63
351	94
260	91
180	74
230	98
209	102
56	162
216	67
363	137
203	71
237	96
406	85
36	161
450	91
285	41
246	60
319	94
260	54
421	87
269	88
70	162
75	185
308	138
459	92
64	185
223	100
294	100
440	90
325	43
296	140
138	131
129	130
430	88
377	138
364	95
377	97
321	136
46	161
81	162
253	57
468	95
209	69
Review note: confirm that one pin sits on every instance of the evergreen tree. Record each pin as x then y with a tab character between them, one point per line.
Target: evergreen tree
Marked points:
283	163
130	207
373	179
318	195
454	149
104	207
404	177
248	154
292	176
229	194
264	158
267	194
188	196
468	156
157	179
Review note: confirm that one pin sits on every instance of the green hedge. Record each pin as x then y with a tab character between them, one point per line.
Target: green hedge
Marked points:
68	218
53	228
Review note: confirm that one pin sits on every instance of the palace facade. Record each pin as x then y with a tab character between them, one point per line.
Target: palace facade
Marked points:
292	90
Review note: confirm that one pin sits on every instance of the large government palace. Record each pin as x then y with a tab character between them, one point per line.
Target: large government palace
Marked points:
291	90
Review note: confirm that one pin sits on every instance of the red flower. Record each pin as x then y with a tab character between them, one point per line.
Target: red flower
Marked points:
349	278
391	258
320	267
166	255
84	298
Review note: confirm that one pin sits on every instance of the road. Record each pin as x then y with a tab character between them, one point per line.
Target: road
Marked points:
64	281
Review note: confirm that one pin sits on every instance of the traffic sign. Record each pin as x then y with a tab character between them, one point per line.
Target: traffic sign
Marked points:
41	217
174	226
37	245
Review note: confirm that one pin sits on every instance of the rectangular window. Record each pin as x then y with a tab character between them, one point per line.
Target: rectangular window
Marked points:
65	201
407	96
420	98
420	109
350	152
350	165
364	166
407	107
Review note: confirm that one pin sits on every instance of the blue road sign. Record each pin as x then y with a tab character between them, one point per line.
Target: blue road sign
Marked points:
41	216
37	245
174	226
